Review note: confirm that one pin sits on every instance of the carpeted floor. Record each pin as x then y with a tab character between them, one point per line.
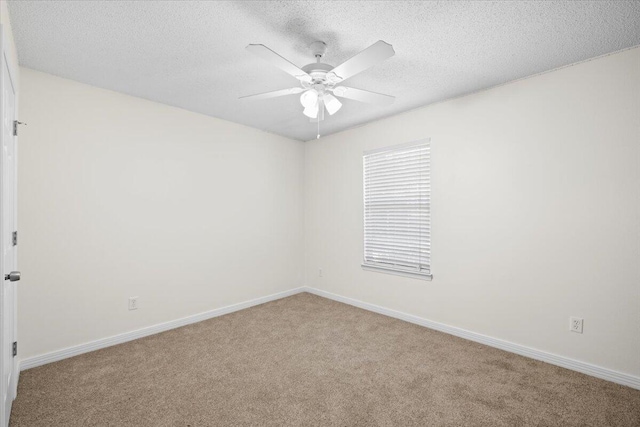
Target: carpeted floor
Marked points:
309	361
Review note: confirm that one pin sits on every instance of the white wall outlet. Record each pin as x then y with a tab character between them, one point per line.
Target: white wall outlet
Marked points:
319	272
133	303
575	324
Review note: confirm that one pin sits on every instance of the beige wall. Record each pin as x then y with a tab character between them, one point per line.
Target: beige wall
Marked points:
536	212
123	197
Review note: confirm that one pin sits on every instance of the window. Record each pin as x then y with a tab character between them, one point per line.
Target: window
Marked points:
397	196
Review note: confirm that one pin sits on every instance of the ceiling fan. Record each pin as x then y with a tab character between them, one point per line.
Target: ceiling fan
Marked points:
319	82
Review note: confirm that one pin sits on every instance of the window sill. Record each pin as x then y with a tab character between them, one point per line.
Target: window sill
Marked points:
397	272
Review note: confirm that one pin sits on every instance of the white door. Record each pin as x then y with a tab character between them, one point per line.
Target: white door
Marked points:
9	253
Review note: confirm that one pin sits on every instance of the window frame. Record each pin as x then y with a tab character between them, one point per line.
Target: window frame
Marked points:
389	269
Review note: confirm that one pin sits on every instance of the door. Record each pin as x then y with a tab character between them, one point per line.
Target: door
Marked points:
8	221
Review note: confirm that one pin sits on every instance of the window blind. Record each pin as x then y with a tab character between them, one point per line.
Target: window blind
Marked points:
397	190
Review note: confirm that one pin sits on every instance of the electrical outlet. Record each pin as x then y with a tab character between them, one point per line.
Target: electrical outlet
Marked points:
133	303
575	324
319	272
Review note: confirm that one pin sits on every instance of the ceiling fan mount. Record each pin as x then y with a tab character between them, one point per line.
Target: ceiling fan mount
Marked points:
318	49
320	72
319	82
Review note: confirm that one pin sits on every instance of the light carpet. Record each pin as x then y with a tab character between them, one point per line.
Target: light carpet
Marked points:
309	361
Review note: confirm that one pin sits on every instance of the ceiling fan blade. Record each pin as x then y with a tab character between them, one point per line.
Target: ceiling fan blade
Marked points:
374	54
277	60
275	93
363	95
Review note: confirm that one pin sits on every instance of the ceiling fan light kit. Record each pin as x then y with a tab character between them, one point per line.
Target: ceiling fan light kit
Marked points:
319	81
331	103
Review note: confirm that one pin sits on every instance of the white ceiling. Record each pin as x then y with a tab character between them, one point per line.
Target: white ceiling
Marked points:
191	54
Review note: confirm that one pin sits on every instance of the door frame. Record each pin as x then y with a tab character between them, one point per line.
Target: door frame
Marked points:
6	58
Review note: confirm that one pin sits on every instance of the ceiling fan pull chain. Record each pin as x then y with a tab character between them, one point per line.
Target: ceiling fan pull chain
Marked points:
318	137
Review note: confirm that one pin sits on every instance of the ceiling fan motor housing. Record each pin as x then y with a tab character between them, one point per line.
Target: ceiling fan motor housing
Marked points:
318	71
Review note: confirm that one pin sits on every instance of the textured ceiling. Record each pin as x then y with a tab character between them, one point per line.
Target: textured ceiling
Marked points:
191	54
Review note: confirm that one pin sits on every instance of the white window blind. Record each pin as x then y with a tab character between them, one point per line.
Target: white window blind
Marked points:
397	191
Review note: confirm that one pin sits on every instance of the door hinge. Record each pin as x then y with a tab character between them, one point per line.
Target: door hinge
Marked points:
15	127
15	348
15	238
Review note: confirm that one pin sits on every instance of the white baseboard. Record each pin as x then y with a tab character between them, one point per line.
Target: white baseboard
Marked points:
15	384
554	359
65	353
